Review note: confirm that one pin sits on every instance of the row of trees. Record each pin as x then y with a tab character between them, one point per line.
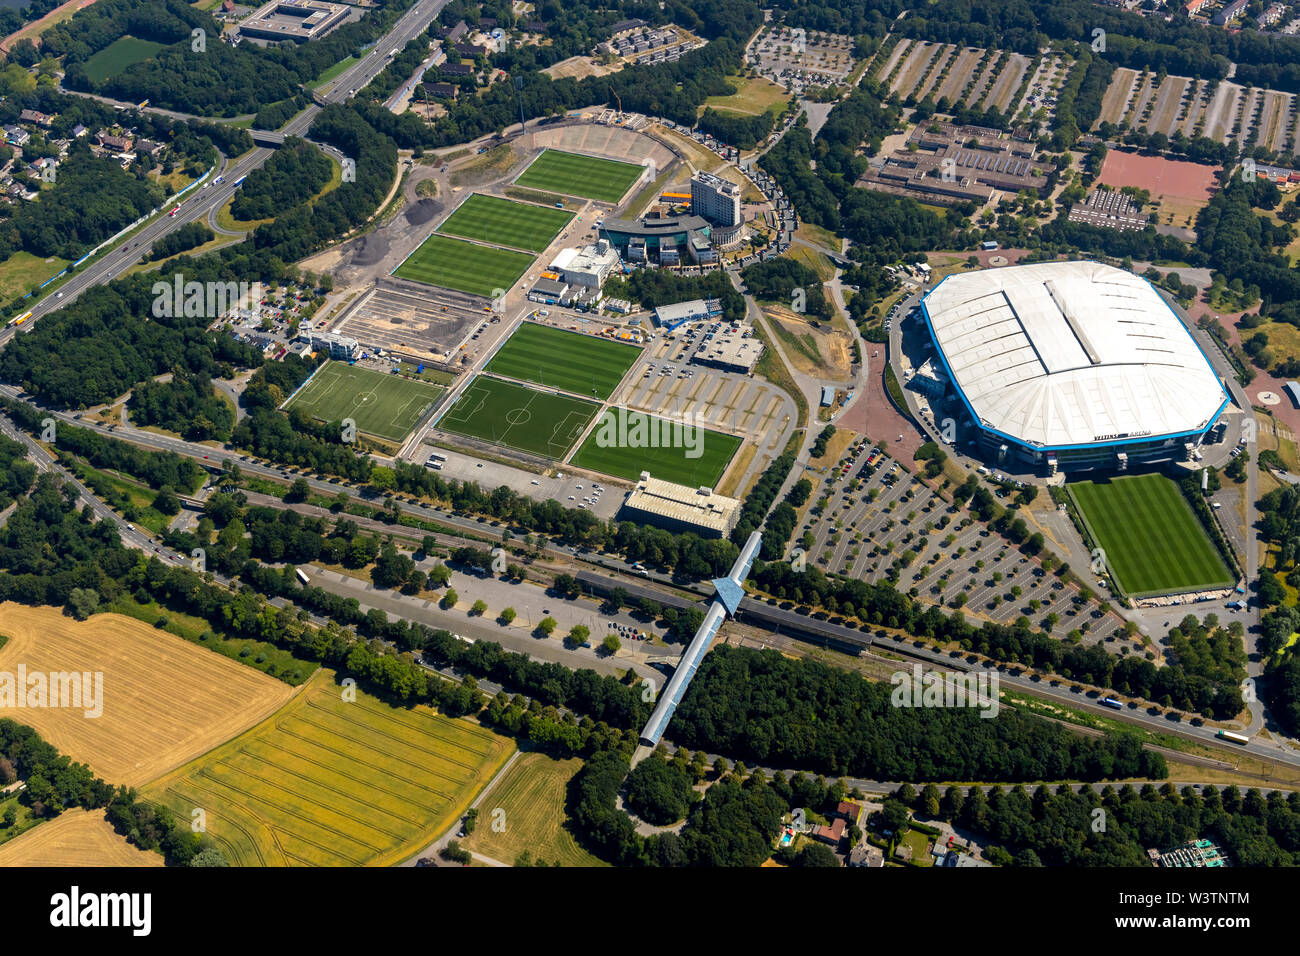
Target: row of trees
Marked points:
54	783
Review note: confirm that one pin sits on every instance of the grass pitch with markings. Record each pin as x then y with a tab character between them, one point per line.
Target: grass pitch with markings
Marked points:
385	406
517	416
506	223
1153	541
571	361
605	180
464	266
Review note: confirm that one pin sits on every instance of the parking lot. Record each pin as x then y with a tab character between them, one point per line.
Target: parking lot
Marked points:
875	522
570	490
664	383
798	59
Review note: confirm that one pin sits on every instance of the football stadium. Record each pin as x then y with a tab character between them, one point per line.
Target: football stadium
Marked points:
1070	366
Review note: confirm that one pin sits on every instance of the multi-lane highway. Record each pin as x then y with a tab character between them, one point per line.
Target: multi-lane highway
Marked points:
202	203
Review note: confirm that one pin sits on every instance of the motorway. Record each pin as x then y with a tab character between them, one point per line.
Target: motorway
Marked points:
201	205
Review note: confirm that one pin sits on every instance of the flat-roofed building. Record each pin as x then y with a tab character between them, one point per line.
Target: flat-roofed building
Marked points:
339	346
737	351
680	508
298	20
589	266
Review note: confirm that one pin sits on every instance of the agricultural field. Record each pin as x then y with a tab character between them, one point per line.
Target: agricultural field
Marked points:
532	794
505	223
331	782
542	423
117	56
715	451
605	180
386	406
165	701
571	361
75	838
464	266
1154	543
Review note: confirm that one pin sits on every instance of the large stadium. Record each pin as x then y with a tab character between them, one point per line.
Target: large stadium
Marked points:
1071	365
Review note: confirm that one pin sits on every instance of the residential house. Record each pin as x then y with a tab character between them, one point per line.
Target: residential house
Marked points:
79	131
864	854
115	144
37	117
16	135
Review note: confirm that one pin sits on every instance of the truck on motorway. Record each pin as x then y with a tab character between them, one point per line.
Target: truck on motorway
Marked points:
238	182
20	319
1112	702
302	576
1229	736
174	211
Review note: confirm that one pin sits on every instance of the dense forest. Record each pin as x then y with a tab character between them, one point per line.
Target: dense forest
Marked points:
293	174
1279	524
185	404
187	237
90	200
803	714
216	80
1056	826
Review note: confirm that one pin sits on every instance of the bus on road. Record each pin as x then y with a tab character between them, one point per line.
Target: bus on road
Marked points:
302	576
238	182
1229	736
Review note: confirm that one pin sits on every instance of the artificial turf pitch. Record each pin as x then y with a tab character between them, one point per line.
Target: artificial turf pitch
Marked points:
506	223
541	423
1154	543
605	180
385	406
629	459
464	266
570	361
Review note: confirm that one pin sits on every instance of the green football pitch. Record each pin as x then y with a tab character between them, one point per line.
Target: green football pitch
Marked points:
385	406
622	449
506	223
573	175
570	361
542	423
1153	541
464	266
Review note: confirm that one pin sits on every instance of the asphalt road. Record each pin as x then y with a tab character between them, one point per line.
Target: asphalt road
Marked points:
199	204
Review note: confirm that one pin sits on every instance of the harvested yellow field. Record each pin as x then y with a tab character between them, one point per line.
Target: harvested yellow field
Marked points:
165	701
75	838
334	782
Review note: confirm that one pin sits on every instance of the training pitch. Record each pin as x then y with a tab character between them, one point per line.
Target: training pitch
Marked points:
603	179
571	361
385	406
506	223
541	423
670	462
464	266
1153	542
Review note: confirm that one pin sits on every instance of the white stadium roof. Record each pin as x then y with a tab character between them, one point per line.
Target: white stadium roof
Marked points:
1063	354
